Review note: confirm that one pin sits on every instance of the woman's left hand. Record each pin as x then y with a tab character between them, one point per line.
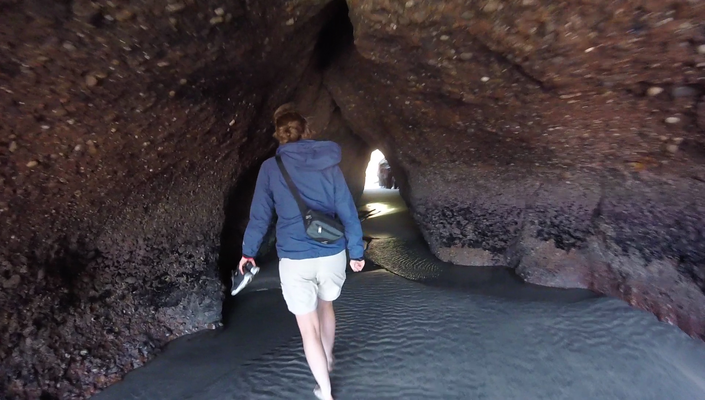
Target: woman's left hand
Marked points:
357	265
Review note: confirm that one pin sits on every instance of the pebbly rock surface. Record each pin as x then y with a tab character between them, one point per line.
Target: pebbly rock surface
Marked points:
562	139
123	126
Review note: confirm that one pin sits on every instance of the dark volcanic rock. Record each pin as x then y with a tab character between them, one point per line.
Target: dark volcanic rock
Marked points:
526	135
123	128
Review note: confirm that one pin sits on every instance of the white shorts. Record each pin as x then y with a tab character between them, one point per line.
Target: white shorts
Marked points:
305	281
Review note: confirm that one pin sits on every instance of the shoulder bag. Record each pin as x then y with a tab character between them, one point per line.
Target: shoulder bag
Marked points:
319	226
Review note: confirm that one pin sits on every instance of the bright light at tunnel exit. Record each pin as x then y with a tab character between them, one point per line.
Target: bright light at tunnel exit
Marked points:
371	179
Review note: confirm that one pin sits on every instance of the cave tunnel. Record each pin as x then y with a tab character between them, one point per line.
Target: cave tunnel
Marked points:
543	154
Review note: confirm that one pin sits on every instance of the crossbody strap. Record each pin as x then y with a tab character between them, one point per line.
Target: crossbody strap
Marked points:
303	208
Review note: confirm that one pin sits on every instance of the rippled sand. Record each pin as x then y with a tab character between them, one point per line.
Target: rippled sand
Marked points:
466	333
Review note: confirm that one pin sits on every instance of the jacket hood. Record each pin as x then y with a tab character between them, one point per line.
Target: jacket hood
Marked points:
311	154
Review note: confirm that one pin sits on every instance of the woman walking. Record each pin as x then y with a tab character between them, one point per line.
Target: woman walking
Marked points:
312	271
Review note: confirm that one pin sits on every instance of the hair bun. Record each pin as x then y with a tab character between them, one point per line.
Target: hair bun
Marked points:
287	108
289	125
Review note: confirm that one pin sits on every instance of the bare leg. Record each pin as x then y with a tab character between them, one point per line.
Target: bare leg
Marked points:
313	348
326	317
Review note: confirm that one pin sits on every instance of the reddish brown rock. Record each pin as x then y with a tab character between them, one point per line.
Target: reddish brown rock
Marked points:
112	211
542	151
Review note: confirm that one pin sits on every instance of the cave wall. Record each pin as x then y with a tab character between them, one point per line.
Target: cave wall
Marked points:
564	139
124	124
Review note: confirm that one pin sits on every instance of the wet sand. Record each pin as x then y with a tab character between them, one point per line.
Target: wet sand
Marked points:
457	333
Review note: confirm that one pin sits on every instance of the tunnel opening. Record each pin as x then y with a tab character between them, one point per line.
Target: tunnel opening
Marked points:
379	173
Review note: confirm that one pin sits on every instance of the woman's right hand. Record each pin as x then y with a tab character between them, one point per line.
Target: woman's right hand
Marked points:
243	261
356	265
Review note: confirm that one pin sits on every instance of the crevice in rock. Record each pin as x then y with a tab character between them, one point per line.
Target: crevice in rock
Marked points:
237	213
514	251
313	100
335	37
516	66
690	270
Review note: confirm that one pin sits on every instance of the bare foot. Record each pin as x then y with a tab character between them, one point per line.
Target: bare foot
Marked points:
319	394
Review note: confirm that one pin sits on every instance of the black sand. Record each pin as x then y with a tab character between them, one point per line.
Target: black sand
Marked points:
464	333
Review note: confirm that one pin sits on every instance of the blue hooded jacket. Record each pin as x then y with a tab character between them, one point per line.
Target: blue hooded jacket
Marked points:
313	166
